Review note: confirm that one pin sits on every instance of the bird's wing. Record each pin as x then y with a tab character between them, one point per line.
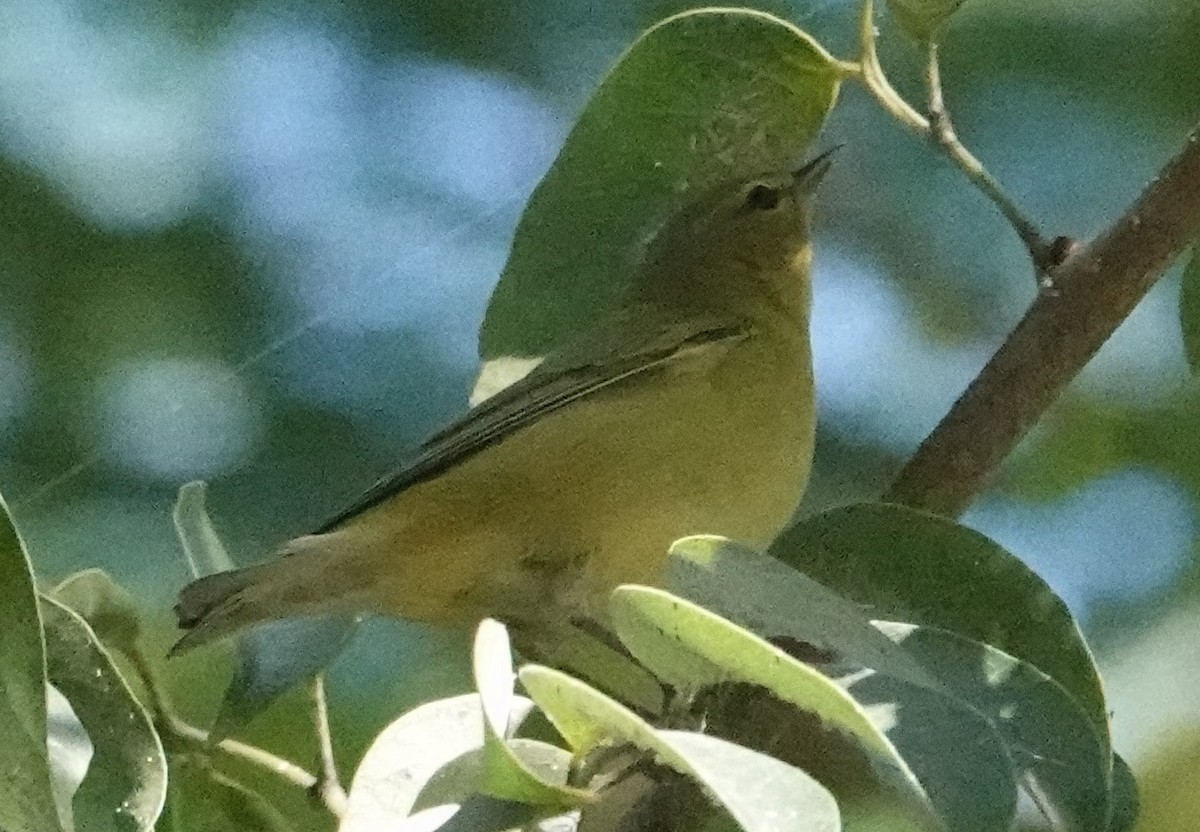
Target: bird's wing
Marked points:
597	363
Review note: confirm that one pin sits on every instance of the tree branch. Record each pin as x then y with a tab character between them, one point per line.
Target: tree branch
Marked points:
1092	292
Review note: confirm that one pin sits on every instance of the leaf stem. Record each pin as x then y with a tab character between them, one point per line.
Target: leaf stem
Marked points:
940	130
875	80
328	787
173	726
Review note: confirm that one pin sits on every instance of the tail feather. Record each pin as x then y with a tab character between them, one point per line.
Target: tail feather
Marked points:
309	579
202	596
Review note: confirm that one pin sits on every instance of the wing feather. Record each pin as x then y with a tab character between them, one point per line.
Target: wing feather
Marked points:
554	384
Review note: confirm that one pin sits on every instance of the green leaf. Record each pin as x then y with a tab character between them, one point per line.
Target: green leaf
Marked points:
957	755
701	97
506	775
758	791
203	799
201	544
587	657
1189	310
126	783
1059	758
69	745
906	565
773	600
922	19
409	752
889	717
27	799
462	780
273	658
429	765
689	647
105	605
1125	800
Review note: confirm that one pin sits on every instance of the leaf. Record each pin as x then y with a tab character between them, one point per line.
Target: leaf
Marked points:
201	544
701	97
105	605
126	783
1189	310
506	775
922	19
758	791
660	630
906	565
203	799
273	658
957	755
69	746
1126	804
967	781
428	765
770	598
408	752
1058	756
27	799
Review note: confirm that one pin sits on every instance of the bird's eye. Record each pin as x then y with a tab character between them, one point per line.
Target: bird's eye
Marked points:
762	198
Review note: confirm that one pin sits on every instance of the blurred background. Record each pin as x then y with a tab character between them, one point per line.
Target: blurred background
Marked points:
251	242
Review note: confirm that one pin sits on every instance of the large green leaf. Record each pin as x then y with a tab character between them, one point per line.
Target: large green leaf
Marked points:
126	783
760	792
689	647
1056	752
773	600
701	97
27	799
1189	310
906	565
960	769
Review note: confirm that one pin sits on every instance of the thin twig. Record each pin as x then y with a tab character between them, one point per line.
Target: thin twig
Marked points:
1094	290
169	723
198	738
941	130
328	787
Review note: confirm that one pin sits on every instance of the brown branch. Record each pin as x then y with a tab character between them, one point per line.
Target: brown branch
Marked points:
1089	296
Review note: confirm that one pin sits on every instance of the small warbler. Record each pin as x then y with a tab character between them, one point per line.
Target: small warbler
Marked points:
688	411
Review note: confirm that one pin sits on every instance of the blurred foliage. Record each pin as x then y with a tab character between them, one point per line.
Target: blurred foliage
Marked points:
203	211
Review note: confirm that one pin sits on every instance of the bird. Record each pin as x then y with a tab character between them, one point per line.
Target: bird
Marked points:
689	409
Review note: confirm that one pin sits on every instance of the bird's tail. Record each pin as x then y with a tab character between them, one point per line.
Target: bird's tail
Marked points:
311	578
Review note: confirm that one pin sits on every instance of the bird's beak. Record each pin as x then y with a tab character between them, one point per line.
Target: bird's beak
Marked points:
806	178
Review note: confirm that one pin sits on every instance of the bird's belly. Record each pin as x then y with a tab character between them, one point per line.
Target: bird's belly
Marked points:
594	495
700	465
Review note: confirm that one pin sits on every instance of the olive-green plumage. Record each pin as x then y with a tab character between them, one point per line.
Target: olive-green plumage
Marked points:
690	411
